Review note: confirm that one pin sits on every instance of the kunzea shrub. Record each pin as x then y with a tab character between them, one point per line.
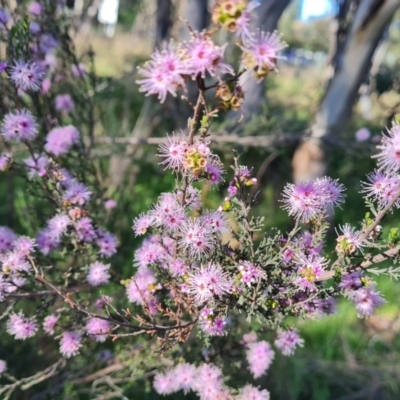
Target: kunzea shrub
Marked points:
197	269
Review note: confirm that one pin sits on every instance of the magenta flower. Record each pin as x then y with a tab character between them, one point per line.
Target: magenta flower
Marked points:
177	267
203	56
64	103
70	343
168	212
251	393
3	367
351	281
85	230
287	341
330	191
366	300
215	172
382	187
107	243
259	356
7	239
208	281
60	140
77	193
362	135
26	76
19	126
47	241
250	274
261	52
21	327
389	157
98	274
302	201
98	328
163	73
49	323
210	324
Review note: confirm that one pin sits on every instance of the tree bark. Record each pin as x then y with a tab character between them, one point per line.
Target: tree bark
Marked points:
269	13
370	19
197	15
163	22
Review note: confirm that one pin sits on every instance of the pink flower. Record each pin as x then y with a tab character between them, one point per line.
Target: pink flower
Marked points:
46	86
261	52
107	243
163	73
142	223
208	376
165	384
13	262
197	238
330	191
366	300
173	150
19	126
251	393
64	103
21	327
24	245
99	328
250	273
79	70
142	286
77	193
362	135
287	341
208	281
185	376
5	161
35	8
98	274
110	204
244	22
70	344
59	224
382	187
26	76
203	56
349	241
85	230
259	357
36	166
210	324
3	367
49	323
389	157
60	140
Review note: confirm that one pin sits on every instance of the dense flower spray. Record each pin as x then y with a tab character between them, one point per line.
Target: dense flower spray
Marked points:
197	268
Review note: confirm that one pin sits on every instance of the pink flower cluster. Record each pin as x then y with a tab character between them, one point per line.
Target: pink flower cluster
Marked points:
206	381
305	201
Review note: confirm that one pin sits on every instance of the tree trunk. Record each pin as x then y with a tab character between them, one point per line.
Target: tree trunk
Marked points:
269	13
197	15
163	22
370	19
